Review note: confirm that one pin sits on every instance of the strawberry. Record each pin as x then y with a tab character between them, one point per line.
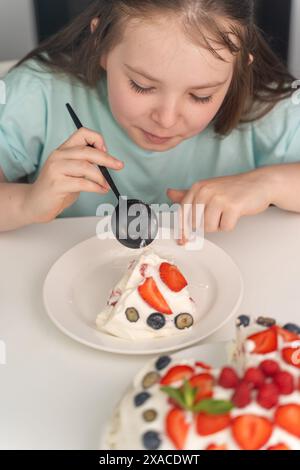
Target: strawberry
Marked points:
285	382
242	395
143	268
172	277
291	356
288	418
151	294
287	336
269	367
251	432
177	427
268	396
176	374
210	424
228	378
265	341
202	365
254	377
204	385
280	446
216	447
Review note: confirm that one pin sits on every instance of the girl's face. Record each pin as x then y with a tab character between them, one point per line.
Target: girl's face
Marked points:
161	84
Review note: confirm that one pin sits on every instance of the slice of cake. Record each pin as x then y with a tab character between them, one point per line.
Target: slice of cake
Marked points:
151	300
186	404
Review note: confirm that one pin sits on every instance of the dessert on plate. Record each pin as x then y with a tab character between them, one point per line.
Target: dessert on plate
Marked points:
151	300
251	404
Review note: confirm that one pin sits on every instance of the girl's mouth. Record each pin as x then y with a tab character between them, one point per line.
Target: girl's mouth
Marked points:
155	139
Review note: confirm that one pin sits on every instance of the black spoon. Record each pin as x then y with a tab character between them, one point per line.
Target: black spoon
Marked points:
134	223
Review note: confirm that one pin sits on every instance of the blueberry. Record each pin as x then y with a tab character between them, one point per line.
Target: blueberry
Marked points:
265	321
292	328
162	362
156	321
150	379
184	320
141	398
243	320
151	440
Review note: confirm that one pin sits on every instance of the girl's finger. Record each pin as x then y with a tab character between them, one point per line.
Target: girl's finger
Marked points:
212	218
186	217
81	185
84	169
84	136
228	221
92	155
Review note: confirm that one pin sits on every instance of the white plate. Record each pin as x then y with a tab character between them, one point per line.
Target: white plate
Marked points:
78	284
215	354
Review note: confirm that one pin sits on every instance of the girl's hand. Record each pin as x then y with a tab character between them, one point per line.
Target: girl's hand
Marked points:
68	171
226	199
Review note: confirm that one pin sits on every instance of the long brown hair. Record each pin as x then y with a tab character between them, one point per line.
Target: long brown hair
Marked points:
255	88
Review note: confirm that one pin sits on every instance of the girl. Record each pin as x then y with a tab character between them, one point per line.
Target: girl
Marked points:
185	92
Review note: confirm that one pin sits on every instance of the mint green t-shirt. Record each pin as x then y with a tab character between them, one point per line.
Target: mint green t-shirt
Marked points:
34	122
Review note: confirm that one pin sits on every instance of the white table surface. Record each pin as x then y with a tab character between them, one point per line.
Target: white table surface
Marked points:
58	394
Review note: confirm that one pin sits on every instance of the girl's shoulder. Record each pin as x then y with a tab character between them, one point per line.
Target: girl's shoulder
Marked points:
282	117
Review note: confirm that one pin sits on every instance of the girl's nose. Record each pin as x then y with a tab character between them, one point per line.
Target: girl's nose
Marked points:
166	114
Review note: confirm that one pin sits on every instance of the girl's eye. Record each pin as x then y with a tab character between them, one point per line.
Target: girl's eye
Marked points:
139	89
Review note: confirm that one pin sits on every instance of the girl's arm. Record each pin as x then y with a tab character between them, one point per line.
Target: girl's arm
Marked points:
13	212
68	171
226	199
286	186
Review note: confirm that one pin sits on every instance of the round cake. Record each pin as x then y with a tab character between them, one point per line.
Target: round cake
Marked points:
251	403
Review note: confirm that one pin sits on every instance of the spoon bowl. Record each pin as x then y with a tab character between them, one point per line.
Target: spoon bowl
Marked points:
134	223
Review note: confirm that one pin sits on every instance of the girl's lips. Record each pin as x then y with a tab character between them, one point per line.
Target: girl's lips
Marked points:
154	139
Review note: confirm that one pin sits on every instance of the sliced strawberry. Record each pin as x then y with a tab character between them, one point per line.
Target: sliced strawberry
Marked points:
265	341
287	336
204	384
291	356
210	424
216	447
251	432
288	418
177	427
203	365
176	374
151	294
143	269
280	446
172	277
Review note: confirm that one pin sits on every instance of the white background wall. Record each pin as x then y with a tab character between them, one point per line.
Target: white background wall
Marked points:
17	28
295	40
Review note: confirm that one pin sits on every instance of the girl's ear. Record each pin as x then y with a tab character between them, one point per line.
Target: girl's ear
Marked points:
251	59
103	61
94	24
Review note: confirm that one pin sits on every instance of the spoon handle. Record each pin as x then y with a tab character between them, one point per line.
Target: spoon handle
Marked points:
103	170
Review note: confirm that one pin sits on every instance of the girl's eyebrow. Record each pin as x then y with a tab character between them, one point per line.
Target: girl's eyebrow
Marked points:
203	86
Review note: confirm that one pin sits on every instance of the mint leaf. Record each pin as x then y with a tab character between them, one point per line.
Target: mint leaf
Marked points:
176	394
213	407
189	394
